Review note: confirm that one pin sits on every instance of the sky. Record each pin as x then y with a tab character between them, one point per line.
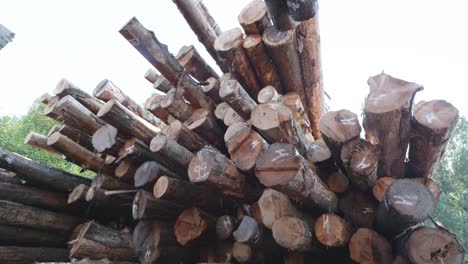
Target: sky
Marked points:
423	41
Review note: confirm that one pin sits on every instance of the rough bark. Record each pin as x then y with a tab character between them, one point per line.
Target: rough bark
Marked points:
193	224
74	134
28	255
145	206
153	104
51	111
332	231
151	75
149	172
293	101
244	148
126	169
211	89
301	10
254	18
274	205
204	124
38	141
359	209
277	11
178	108
367	246
29	237
192	62
233	93
64	88
387	120
186	137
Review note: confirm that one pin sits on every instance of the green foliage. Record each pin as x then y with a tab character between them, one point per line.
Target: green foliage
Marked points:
13	131
452	177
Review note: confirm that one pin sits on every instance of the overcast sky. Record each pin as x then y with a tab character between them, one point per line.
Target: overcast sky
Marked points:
423	41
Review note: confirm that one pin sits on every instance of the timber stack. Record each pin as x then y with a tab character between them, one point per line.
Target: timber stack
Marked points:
242	165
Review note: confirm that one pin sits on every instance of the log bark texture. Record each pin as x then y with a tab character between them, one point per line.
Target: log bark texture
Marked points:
65	87
145	206
186	137
38	141
254	18
236	97
149	172
203	123
359	209
192	62
27	255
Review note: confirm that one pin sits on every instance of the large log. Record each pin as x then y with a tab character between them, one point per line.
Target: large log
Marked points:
51	111
387	120
276	123
232	117
178	108
281	167
332	231
26	216
203	123
261	61
97	241
337	128
38	141
30	237
301	10
187	194
233	93
64	88
203	25
244	148
192	62
277	11
211	89
273	205
405	203
254	18
242	252
28	255
145	206
106	90
308	36
153	104
432	126
367	246
186	137
358	208
295	234
383	183
127	122
228	45
127	167
38	174
255	235
193	225
117	205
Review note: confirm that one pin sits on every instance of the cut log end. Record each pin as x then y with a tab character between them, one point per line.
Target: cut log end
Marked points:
242	252
340	126
78	193
332	231
437	114
318	151
381	187
229	39
292	233
225	225
253	18
270	115
273	37
189	226
367	246
268	94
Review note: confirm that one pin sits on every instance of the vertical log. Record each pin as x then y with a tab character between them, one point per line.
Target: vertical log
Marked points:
235	96
387	120
293	101
65	87
193	224
254	18
192	62
277	11
367	246
242	252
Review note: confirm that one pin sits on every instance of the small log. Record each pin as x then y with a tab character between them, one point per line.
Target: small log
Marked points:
29	237
162	84
236	97
178	108
186	137
277	11
203	123
106	140
276	123
337	182
367	246
273	205
381	187
126	170
145	206
127	122
45	98
221	110
228	45
332	231
283	49
242	252
27	255
106	90
211	89
110	183
97	241
318	151
192	62
432	127
295	234
225	225
387	120
308	37
431	185
27	216
269	94
232	117
293	101
192	92
149	172
405	203
261	61
78	116
337	128
78	194
302	10
78	154
153	104
254	18
244	148
74	134
38	141
360	158
213	168
203	25
433	245
254	234
151	75
51	111
40	175
281	167
65	87
234	129
194	224
187	194
359	209
119	204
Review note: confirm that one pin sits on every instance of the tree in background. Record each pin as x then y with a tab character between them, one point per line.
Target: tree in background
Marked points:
13	131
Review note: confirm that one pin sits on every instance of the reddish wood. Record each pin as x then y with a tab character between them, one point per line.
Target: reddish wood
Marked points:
204	124
244	148
225	225
332	231
254	17
367	246
194	224
295	234
381	187
337	182
126	169
293	101
273	205
192	62
186	137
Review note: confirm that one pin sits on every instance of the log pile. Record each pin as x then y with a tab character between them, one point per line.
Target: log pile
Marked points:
243	167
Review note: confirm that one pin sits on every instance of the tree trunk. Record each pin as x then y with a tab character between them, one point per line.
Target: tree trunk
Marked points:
432	127
29	237
194	225
261	61
28	255
192	62
145	206
229	47
153	104
277	11
254	18
225	225
404	204
151	75
236	97
38	141
187	194
40	175
295	234
367	246
244	148
149	172
332	231
301	10
204	124
359	209
26	216
97	241
178	108
387	121
293	101
64	88
186	137
282	168
211	89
